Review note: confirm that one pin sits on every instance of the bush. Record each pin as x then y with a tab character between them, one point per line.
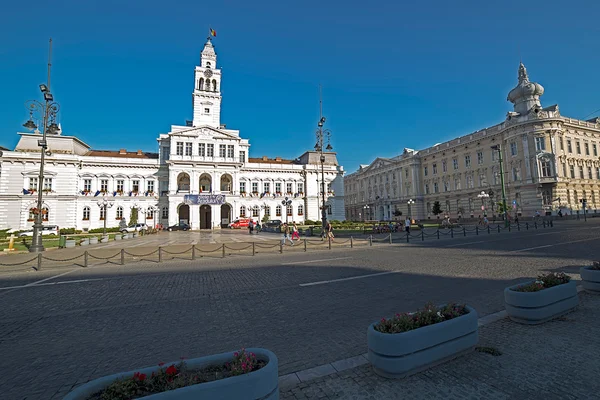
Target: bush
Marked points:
544	282
101	230
68	231
596	266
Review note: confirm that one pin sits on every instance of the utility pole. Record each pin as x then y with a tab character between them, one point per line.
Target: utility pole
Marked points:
498	147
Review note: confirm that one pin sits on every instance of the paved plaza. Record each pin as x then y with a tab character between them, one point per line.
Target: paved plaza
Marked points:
61	328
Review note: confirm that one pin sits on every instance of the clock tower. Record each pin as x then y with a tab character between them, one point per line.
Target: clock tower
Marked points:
207	89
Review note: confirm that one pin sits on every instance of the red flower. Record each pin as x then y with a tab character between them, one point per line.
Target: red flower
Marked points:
171	370
160	364
142	377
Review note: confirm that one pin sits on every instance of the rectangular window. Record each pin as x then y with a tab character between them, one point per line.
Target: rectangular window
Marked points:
179	148
242	156
120	185
426	188
150	186
540	143
578	147
210	150
47	183
300	187
590	174
494	155
242	187
135	186
516	174
586	146
254	187
119	213
188	149
468	161
480	157
572	170
513	149
546	172
104	185
444	166
434	168
230	151
581	173
289	210
165	153
435	187
207	111
202	150
481	180
595	150
455	163
598	173
470	184
267	187
33	183
456	184
425	170
565	170
569	146
562	144
278	187
278	211
496	177
87	185
446	184
288	187
222	150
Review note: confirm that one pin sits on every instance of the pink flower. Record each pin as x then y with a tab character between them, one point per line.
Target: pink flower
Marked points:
235	354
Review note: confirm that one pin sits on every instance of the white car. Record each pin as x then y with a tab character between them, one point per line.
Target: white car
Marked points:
135	228
46	230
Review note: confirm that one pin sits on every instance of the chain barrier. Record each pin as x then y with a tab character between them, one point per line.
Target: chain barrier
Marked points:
231	248
262	246
104	258
68	259
177	252
139	255
17	264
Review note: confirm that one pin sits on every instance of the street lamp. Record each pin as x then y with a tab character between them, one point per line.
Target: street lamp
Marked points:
286	202
105	204
322	134
483	195
410	203
366	208
48	110
498	148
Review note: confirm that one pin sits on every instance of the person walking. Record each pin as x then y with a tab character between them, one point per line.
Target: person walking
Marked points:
295	233
250	227
407	225
286	234
330	231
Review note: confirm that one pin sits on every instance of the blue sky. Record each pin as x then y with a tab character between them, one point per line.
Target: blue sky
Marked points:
393	75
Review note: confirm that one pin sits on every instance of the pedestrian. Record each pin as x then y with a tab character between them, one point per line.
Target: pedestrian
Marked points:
286	234
330	231
407	225
295	233
250	227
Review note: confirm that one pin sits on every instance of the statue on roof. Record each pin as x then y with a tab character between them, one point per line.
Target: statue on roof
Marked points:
523	74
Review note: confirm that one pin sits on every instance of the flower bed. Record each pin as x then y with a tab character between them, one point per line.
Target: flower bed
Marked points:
411	342
248	374
590	277
536	302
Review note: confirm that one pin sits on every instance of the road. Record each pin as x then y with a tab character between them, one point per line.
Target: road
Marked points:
63	328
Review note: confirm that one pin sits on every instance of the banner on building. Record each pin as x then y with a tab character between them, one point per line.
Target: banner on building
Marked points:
199	199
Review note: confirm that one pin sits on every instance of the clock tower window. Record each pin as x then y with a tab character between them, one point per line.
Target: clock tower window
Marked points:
208	64
201	84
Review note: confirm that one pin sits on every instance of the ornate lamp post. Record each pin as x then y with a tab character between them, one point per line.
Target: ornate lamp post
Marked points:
286	202
105	204
322	134
410	202
48	110
483	195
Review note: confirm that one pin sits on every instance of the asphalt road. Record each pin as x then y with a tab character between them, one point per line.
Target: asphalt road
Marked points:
63	328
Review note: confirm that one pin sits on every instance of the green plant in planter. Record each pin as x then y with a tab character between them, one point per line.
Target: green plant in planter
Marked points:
544	282
596	266
429	315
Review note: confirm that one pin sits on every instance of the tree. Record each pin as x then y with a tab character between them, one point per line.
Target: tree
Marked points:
437	209
133	219
397	213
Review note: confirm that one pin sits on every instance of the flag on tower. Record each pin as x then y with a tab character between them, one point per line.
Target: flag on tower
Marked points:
213	32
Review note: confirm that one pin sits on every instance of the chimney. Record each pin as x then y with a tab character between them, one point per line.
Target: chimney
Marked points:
277	158
139	152
265	158
122	151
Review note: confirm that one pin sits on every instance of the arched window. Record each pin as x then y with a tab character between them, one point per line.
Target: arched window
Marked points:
165	212
267	211
201	84
256	211
32	214
208	64
119	213
214	84
102	213
300	209
86	213
150	214
546	198
278	211
242	211
290	210
45	213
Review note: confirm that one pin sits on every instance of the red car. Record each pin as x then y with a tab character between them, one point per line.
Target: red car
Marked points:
239	223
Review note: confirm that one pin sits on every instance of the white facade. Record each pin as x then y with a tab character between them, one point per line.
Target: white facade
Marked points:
203	175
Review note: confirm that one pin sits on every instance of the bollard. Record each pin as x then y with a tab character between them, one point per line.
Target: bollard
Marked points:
422	236
305	245
476	231
351	244
551	224
253	248
498	228
159	254
193	252
438	233
407	237
544	223
370	240
535	224
85	258
489	230
451	232
509	227
464	231
223	250
526	226
390	238
518	227
122	256
281	247
39	261
329	242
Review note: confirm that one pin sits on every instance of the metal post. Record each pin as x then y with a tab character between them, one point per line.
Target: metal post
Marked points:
407	237
351	243
464	231
390	237
329	237
223	247
280	248
194	252
253	248
526	226
535	224
509	227
122	256
304	244
451	232
476	231
518	227
39	261
159	254
370	240
498	228
489	230
422	236
438	233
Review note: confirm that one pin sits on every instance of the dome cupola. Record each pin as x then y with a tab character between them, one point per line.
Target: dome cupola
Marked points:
527	94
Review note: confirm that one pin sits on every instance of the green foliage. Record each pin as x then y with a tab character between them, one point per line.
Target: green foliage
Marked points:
437	208
429	315
265	219
500	208
133	218
397	213
596	266
101	230
68	231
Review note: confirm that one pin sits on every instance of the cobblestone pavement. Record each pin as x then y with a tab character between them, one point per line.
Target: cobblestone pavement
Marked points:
556	360
60	329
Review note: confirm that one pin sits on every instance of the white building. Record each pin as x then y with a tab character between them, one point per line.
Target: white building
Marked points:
203	175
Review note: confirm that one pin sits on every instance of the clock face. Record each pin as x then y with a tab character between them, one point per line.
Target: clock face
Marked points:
208	73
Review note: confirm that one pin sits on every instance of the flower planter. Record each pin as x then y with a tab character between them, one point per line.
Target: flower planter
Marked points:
590	279
93	240
538	307
135	234
118	236
70	243
260	384
85	242
126	236
104	239
397	355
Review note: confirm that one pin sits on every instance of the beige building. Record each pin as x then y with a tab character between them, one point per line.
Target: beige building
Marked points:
550	163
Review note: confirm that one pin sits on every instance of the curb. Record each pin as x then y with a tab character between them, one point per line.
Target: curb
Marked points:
288	381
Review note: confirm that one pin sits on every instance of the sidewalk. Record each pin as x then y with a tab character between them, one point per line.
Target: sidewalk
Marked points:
555	360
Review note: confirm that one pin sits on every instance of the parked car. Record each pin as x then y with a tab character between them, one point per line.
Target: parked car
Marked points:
51	230
135	228
182	226
273	225
240	223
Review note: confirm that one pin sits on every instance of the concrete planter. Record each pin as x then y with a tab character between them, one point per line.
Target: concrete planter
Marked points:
84	242
118	236
126	236
257	385
538	307
93	240
104	239
70	243
397	355
135	234
590	279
